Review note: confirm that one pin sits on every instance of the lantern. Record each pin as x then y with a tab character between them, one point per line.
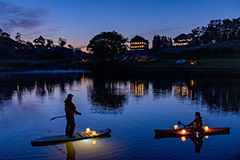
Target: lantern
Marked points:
175	126
183	131
206	128
93	133
87	129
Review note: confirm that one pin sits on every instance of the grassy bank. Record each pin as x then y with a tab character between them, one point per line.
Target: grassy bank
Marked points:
23	64
206	66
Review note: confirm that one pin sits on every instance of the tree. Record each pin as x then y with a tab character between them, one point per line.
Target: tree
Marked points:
18	37
156	43
40	41
0	31
28	43
49	42
62	42
107	45
161	42
5	35
70	47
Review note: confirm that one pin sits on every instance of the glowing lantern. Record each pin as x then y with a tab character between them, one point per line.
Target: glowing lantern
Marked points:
183	131
93	133
183	139
94	141
206	137
175	126
87	129
206	128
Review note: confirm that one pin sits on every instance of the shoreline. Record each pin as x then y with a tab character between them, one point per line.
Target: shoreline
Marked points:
215	67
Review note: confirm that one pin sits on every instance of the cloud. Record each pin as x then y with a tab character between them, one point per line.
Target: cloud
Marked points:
14	17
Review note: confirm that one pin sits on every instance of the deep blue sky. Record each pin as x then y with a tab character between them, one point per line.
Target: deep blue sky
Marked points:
80	20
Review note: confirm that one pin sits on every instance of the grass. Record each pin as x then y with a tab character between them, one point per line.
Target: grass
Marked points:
208	65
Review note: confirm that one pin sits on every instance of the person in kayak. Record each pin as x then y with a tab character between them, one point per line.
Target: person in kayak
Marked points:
197	123
70	110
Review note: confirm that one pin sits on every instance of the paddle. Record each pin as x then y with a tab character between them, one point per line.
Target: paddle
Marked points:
197	133
62	116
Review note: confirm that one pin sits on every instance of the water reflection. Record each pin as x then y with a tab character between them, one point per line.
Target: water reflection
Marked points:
107	96
139	88
71	152
110	94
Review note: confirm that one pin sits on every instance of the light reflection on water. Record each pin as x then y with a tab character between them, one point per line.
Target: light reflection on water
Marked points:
131	107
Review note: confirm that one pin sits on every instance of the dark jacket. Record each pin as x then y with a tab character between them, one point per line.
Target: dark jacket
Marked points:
70	108
197	123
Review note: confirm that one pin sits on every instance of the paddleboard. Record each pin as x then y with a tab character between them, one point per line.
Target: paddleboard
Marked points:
77	136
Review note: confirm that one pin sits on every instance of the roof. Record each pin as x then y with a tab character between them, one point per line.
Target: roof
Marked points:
138	39
183	35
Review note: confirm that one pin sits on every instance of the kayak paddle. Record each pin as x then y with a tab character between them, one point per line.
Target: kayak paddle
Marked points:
61	117
197	133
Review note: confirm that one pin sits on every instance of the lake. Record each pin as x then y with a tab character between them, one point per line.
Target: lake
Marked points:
131	106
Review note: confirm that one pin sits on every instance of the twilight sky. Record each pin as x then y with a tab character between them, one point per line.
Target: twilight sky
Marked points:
80	20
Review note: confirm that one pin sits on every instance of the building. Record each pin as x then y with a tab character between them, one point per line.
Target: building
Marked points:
138	43
183	40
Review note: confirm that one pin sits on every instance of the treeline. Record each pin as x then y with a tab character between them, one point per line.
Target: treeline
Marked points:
217	31
112	45
39	48
161	42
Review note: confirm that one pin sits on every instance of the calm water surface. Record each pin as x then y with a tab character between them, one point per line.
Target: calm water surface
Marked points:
132	107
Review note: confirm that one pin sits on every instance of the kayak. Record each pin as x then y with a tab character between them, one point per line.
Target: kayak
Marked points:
189	133
77	136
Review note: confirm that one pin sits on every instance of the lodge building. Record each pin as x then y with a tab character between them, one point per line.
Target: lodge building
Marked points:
183	40
138	43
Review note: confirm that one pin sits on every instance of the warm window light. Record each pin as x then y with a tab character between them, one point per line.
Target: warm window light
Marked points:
206	137
87	129
175	126
183	139
183	131
206	128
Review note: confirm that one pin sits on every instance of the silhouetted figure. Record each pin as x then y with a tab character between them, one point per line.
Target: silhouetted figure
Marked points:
70	110
197	123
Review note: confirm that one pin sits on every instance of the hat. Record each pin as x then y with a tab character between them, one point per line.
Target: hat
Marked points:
198	114
69	95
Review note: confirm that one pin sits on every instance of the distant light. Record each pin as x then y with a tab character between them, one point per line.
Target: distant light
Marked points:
206	128
206	137
87	129
175	126
183	131
183	139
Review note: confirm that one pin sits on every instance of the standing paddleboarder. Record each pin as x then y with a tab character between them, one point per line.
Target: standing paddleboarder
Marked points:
70	110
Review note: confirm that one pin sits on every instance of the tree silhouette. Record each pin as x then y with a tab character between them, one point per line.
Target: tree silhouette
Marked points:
28	43
161	42
216	31
18	38
40	41
49	42
70	46
62	42
5	35
107	45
